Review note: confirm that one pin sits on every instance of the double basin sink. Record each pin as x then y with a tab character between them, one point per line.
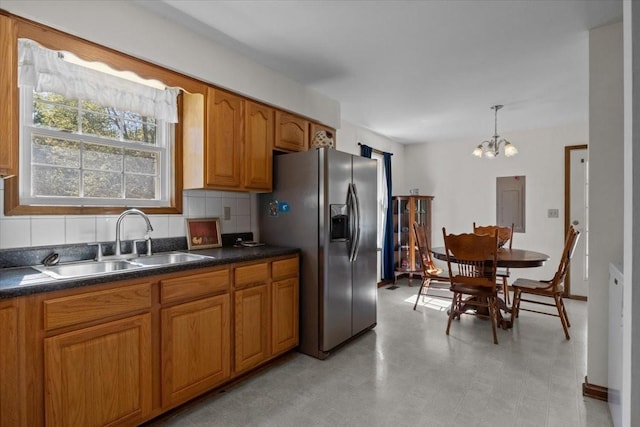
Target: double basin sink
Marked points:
93	268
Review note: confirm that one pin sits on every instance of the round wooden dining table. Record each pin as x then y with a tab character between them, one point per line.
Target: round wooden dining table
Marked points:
507	258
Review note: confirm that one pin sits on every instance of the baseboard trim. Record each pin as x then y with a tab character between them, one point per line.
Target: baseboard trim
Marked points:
384	282
594	391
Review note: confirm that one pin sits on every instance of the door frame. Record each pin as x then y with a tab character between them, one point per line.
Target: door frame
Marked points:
567	210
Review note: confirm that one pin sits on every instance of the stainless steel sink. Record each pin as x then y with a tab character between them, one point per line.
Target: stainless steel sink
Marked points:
93	268
168	258
86	268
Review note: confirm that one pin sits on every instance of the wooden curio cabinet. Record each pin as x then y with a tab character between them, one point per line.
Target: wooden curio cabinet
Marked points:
406	211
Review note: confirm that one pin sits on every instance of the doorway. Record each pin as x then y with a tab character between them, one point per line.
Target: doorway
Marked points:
576	213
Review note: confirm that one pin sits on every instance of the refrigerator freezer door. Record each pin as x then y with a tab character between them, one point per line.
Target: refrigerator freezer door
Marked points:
365	287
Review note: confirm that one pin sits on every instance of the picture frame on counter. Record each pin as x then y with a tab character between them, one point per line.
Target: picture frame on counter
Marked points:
203	233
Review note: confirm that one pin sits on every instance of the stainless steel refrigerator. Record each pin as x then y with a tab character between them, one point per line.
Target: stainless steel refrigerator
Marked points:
324	202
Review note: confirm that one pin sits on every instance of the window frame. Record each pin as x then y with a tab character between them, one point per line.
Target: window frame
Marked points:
89	51
27	128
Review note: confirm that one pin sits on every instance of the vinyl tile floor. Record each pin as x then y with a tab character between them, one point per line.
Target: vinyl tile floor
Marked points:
408	372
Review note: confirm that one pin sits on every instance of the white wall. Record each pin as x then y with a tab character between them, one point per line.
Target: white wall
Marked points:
348	137
606	186
464	186
347	140
631	296
131	29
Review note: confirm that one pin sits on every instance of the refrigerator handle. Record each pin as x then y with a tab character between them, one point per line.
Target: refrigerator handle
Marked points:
351	203
357	221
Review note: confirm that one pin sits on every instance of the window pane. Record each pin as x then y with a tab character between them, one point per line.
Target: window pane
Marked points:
140	187
54	111
99	184
53	151
57	182
100	125
102	157
144	162
139	131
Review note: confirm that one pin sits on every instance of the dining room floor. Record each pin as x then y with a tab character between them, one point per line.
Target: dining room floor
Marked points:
408	372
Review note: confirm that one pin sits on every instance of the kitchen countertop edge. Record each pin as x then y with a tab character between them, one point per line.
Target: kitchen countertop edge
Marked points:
21	281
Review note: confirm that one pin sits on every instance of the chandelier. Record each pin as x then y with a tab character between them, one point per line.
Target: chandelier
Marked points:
491	148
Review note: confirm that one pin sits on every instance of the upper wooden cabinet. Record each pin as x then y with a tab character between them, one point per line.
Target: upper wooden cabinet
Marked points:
227	142
9	91
223	148
258	143
292	132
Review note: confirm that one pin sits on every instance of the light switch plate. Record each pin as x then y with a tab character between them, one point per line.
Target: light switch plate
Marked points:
227	213
553	213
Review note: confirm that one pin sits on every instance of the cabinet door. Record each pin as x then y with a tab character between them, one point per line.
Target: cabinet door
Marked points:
224	139
195	348
315	127
9	379
251	326
99	375
402	233
258	145
291	132
284	315
9	90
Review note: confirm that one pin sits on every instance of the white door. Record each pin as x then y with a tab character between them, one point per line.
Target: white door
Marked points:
579	218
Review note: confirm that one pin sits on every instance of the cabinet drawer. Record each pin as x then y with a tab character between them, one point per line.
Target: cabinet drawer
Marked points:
193	286
284	268
75	309
255	273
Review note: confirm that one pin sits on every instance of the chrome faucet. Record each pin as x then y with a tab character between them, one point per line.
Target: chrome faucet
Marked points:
121	217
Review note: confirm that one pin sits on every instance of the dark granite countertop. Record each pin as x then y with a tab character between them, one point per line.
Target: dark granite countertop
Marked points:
17	281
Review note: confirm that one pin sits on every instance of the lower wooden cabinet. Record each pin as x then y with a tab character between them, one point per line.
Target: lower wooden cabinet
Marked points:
252	311
196	349
9	367
122	353
284	315
266	311
99	375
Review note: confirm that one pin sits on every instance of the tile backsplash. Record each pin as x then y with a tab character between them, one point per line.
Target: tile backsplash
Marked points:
43	230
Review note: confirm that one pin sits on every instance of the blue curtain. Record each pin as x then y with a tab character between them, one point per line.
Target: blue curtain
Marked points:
387	242
365	151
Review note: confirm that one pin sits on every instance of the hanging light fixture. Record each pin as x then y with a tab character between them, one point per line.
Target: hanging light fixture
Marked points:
491	148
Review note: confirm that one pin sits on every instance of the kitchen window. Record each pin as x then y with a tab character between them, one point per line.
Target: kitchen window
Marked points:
90	137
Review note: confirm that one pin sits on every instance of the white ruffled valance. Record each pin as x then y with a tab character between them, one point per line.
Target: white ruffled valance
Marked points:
45	71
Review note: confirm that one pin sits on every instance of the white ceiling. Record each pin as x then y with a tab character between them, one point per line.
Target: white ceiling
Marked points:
420	71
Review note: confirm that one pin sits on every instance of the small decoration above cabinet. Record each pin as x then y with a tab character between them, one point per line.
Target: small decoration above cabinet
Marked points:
327	139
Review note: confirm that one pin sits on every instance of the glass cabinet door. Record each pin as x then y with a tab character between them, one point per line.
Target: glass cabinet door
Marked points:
406	211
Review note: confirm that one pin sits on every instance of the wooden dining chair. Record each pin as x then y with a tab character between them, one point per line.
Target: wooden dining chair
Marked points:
553	288
475	258
429	270
505	237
